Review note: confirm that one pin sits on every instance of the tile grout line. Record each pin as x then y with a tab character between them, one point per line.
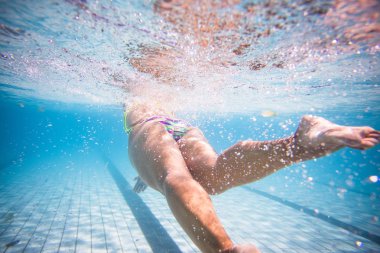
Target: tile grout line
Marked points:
113	218
55	215
126	223
139	208
353	229
25	205
67	211
29	216
42	216
79	209
101	215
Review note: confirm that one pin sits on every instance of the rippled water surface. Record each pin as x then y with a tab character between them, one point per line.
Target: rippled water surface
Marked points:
237	69
211	56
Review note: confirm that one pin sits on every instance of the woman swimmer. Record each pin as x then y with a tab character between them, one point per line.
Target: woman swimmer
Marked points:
176	159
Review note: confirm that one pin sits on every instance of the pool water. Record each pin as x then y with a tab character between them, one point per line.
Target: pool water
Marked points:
67	66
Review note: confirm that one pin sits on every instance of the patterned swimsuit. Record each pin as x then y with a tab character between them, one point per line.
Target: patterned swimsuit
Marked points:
176	127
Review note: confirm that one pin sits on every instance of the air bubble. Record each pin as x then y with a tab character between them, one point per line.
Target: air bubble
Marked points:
373	179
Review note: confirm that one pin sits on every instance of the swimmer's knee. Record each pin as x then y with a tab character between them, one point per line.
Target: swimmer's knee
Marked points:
182	183
174	182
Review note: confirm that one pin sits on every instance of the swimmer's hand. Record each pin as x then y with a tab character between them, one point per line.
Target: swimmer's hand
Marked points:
140	185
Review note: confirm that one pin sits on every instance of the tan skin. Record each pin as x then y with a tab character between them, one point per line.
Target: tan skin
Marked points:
187	171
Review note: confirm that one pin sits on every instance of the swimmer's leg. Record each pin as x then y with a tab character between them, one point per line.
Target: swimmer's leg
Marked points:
248	161
161	165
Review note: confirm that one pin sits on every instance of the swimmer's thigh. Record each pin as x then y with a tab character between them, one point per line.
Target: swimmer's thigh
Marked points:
156	155
199	156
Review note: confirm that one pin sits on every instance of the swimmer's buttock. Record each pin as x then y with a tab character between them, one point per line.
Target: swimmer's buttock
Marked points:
176	127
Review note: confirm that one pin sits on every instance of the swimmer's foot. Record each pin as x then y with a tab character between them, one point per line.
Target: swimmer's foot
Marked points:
243	249
318	136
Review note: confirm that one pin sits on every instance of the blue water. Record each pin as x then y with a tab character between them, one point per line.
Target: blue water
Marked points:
42	138
65	177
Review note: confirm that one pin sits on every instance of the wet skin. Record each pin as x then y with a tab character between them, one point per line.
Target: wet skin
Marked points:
187	171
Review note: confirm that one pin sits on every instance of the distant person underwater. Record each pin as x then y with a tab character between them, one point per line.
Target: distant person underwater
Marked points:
175	158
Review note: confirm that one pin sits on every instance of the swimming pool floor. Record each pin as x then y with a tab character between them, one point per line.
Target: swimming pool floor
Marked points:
84	203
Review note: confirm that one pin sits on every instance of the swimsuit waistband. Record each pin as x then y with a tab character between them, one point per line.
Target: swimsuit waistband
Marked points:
171	125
